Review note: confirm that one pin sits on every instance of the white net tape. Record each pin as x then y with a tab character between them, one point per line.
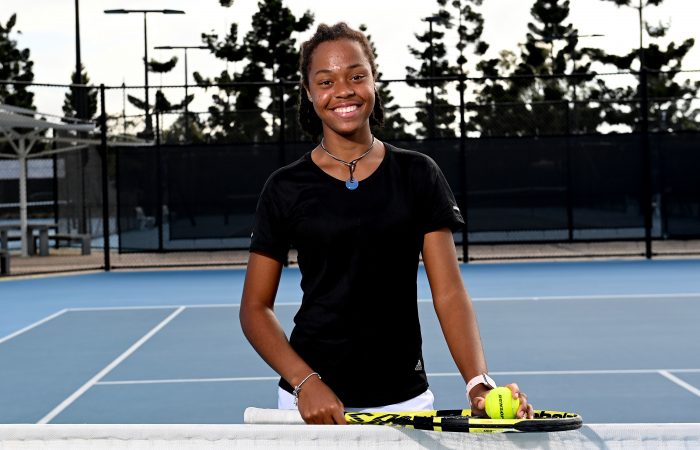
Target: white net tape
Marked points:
262	416
288	436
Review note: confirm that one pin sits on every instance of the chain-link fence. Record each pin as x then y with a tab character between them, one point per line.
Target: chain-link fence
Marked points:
52	167
606	169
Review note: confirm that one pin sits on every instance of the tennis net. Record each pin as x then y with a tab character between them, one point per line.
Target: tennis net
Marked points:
288	436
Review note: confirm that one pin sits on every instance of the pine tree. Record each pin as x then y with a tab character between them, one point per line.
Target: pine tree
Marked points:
670	106
394	123
466	36
273	55
528	104
183	131
70	109
269	52
162	66
436	116
15	65
469	29
222	119
162	104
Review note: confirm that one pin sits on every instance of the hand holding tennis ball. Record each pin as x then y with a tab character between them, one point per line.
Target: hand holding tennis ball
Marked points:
500	404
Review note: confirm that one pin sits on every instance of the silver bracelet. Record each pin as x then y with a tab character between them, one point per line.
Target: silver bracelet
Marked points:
297	388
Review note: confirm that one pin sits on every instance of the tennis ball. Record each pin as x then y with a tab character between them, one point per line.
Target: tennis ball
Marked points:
500	403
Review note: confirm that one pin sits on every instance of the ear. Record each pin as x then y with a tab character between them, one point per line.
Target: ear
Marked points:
308	95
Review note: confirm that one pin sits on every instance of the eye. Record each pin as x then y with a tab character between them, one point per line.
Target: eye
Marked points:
359	77
325	83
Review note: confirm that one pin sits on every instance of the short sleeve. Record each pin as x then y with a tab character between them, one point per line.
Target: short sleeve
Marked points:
440	206
269	234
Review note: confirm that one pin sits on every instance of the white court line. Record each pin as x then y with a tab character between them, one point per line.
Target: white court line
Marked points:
187	380
128	308
67	402
573	372
437	374
32	326
680	382
144	307
591	297
681	295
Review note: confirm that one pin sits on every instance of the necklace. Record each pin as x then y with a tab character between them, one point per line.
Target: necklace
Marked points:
351	183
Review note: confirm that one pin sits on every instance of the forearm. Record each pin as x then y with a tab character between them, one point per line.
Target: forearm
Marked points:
265	334
317	402
452	304
259	323
461	331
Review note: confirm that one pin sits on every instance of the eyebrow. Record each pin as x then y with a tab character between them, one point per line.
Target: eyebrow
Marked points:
350	67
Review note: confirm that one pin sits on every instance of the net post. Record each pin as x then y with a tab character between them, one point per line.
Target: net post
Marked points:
105	181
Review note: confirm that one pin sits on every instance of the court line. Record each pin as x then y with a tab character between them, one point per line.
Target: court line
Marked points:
681	295
186	380
437	374
681	383
32	326
574	372
73	397
146	307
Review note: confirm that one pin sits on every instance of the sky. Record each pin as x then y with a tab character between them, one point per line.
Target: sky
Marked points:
112	45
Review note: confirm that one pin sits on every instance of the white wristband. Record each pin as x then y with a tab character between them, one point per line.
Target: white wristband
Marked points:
480	379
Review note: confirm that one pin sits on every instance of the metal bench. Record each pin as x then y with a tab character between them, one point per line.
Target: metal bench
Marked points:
4	262
84	239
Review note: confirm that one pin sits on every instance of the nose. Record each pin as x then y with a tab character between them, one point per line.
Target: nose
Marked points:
344	90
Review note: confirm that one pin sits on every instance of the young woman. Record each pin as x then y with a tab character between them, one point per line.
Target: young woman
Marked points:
359	212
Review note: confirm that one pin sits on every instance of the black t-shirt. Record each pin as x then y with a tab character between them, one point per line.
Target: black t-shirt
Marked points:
358	253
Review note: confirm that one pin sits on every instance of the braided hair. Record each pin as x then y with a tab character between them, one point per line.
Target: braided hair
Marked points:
308	119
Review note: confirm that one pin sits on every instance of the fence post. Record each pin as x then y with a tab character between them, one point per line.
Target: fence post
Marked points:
54	184
646	161
569	200
159	185
463	191
105	180
283	124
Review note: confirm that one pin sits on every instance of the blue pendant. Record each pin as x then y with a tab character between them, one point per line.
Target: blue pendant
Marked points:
352	184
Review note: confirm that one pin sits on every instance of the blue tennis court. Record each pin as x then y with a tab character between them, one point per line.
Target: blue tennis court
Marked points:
615	341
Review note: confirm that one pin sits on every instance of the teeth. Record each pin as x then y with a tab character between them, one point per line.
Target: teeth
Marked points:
346	109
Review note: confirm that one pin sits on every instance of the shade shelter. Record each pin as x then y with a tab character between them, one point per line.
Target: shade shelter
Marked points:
22	129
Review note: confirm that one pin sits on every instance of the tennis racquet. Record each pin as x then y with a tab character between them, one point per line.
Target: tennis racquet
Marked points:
455	420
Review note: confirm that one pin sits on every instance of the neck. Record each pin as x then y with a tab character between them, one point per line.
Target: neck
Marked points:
348	147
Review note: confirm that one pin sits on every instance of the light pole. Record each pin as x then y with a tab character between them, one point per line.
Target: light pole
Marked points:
641	40
185	48
431	112
148	132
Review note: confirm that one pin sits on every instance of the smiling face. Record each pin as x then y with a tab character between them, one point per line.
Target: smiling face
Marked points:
341	87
